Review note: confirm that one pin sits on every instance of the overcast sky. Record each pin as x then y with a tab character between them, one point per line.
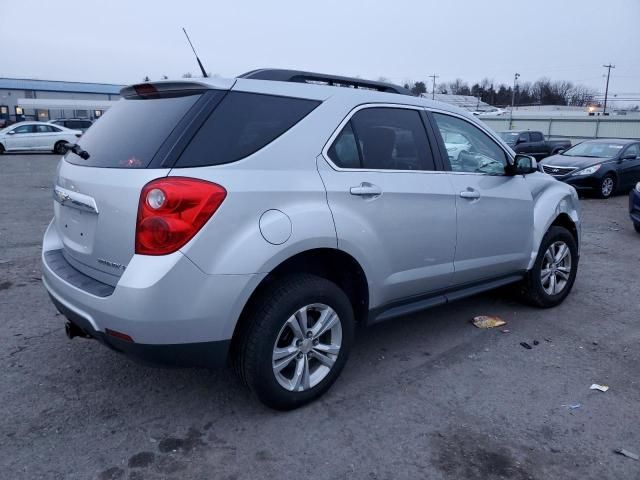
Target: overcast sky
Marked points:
119	41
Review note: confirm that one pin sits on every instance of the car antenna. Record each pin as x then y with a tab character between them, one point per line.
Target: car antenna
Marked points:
204	73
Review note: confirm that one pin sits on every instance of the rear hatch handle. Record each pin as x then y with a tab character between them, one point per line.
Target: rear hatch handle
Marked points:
73	199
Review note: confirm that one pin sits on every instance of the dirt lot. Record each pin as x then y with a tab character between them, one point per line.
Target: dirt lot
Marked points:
427	396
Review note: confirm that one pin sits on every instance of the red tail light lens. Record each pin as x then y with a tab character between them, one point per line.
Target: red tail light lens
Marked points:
172	210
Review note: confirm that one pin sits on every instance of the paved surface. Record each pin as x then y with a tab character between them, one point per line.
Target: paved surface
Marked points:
428	396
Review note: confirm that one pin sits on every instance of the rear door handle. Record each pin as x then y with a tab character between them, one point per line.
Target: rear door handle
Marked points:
469	193
366	189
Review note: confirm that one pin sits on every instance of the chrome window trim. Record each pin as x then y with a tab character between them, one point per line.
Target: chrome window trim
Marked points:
325	150
347	118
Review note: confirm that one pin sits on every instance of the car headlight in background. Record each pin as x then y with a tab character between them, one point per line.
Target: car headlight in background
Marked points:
588	170
638	187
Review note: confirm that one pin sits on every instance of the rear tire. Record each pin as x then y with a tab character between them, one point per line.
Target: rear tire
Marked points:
59	148
607	186
637	227
553	274
296	340
1	149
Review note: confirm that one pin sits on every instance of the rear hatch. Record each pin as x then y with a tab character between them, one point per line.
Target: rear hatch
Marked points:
134	142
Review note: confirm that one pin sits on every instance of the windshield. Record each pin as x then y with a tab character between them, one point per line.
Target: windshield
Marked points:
594	149
509	137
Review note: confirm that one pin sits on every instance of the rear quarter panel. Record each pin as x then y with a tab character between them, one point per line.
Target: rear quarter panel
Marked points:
282	176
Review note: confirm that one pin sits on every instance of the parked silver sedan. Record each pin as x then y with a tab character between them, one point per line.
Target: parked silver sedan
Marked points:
37	136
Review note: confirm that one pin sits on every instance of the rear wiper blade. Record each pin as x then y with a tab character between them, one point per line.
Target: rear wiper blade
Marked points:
77	149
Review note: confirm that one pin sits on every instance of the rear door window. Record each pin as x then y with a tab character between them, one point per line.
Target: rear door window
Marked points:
242	124
384	139
131	132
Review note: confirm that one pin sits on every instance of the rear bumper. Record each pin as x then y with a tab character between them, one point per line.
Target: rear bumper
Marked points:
174	312
201	354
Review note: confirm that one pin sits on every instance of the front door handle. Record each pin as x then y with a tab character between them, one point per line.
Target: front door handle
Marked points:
366	189
470	193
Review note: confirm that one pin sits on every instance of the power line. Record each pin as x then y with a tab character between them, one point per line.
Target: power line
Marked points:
433	92
513	93
606	91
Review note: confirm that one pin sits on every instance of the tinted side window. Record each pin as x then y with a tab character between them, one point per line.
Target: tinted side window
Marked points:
43	129
524	137
536	136
242	124
55	129
477	153
77	124
389	139
344	150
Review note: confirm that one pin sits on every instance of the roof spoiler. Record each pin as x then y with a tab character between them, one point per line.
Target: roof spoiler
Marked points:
298	76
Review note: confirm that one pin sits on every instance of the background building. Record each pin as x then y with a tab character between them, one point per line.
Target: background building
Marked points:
25	99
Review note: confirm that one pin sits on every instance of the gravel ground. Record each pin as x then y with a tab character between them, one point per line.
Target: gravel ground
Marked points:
427	396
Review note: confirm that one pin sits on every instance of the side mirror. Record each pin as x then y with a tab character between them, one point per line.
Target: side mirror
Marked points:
524	164
628	156
11	133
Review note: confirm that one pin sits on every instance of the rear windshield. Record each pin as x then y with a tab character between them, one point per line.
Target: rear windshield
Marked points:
130	133
242	124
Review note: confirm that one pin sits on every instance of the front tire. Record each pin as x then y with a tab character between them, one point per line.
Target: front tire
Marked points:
1	149
553	274
637	227
296	341
607	186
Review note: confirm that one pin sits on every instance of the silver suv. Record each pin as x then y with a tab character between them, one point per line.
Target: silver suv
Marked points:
257	220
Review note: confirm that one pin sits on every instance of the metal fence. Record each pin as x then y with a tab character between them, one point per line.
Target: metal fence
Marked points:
573	128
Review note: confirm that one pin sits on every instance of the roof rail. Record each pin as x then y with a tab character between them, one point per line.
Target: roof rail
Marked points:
297	76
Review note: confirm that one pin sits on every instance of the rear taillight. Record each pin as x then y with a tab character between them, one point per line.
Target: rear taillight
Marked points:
172	210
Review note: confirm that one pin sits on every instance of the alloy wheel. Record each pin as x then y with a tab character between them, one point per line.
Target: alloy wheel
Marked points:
556	268
307	347
607	186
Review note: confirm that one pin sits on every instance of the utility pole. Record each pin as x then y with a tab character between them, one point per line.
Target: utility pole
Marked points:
433	91
513	93
606	90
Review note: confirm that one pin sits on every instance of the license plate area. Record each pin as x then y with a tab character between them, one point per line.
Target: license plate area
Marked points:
77	229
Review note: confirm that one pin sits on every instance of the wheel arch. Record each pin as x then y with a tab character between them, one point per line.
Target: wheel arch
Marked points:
557	206
330	263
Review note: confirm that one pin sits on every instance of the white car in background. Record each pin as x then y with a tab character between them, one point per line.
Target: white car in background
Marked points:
37	137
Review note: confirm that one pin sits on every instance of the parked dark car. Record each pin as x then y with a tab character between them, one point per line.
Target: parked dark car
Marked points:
532	142
604	166
81	124
634	207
